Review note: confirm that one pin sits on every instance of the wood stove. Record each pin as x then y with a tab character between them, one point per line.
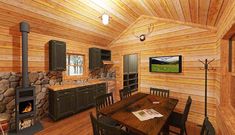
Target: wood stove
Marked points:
25	98
25	107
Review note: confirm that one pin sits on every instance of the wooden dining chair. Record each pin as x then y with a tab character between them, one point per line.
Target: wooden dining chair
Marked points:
207	128
101	102
159	92
124	93
178	120
101	128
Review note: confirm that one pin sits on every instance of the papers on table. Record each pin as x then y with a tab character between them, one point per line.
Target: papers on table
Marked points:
146	114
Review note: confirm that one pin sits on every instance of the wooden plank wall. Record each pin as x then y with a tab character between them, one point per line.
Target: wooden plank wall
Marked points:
10	50
225	114
171	39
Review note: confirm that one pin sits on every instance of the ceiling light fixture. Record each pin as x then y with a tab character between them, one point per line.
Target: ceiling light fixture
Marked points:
105	18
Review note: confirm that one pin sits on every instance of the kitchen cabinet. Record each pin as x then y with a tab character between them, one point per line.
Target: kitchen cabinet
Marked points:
61	103
85	97
130	72
133	63
126	64
130	63
94	58
97	56
81	100
100	89
57	55
66	102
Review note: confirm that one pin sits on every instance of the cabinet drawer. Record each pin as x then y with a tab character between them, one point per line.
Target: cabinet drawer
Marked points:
91	87
64	92
80	89
101	86
86	88
101	91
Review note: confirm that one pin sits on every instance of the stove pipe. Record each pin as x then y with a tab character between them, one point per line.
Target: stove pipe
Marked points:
24	29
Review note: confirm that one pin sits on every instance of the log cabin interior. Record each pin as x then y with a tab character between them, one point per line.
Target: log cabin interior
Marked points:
171	60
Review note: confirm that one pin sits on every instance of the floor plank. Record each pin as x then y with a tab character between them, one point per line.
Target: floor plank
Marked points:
78	124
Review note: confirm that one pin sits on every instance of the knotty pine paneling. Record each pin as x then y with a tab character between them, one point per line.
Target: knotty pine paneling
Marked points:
224	80
227	20
232	92
84	15
172	39
10	50
11	16
218	72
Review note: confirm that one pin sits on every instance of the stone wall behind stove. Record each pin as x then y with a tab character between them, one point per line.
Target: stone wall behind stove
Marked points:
41	80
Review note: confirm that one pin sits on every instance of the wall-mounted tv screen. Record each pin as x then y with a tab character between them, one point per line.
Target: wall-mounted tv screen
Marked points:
166	64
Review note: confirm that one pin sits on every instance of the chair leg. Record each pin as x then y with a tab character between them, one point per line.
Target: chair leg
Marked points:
181	131
185	130
165	130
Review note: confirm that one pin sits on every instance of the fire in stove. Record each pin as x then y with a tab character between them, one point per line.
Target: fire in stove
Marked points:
26	106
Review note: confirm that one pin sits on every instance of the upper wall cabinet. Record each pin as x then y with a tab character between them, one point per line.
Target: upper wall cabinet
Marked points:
97	56
57	55
130	63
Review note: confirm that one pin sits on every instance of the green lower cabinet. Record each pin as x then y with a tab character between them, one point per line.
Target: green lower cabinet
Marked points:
85	97
61	103
90	98
100	89
81	100
65	103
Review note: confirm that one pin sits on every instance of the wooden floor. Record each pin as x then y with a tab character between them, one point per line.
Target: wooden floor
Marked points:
79	124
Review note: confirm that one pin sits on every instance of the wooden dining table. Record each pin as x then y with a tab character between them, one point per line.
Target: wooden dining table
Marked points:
121	112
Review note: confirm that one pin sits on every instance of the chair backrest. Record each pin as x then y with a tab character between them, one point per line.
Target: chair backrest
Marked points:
186	109
207	128
100	128
103	101
124	93
159	92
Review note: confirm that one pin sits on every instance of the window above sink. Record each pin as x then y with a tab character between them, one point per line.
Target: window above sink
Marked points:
74	64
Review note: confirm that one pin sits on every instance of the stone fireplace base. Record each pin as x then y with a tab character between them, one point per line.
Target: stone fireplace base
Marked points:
40	80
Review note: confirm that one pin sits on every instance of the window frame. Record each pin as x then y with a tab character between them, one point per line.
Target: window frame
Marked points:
68	64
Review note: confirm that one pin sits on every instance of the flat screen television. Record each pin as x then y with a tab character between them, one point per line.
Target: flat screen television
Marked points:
166	64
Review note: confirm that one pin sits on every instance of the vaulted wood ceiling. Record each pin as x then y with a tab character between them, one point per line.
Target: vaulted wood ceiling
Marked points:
79	19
